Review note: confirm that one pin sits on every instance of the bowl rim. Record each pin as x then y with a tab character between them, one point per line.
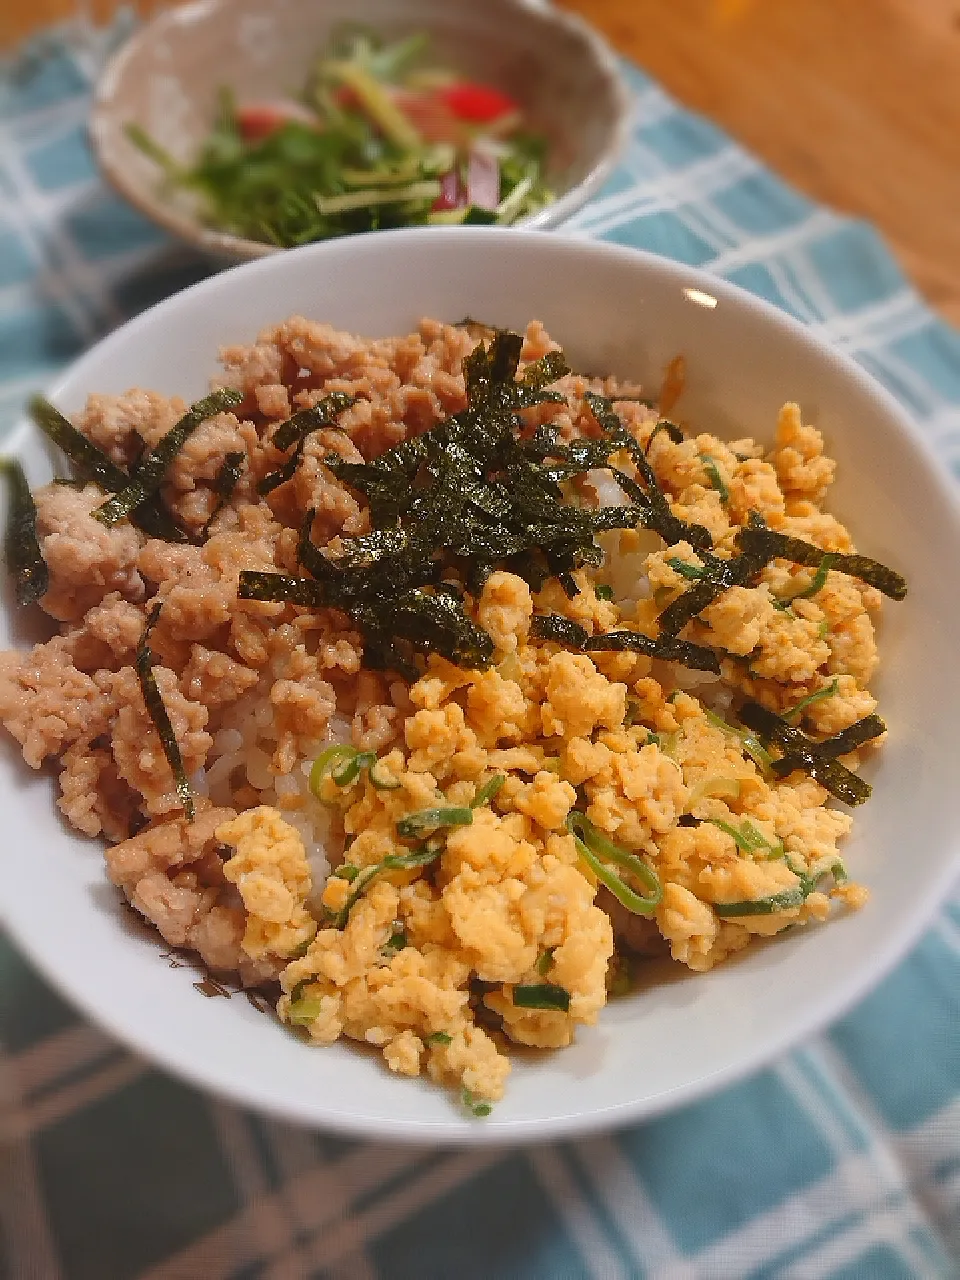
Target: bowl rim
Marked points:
103	127
836	1001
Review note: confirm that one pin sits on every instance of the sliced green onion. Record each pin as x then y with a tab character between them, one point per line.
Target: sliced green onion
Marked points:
603	591
305	1010
469	216
381	778
489	789
419	857
426	820
819	579
545	961
438	1037
348	771
397	940
686	569
787	899
227	479
331	760
753	747
828	691
719	786
716	479
476	1106
542	995
592	845
346	871
749	838
762	906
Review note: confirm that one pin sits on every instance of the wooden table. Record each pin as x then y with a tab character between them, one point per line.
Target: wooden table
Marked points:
857	102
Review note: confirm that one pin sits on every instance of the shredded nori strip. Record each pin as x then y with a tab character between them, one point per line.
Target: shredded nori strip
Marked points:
847	740
285	472
227	479
280	588
21	547
153	700
93	465
323	414
818	759
149	473
758	545
760	540
672	430
553	626
295	432
470	495
658	516
479	492
718	576
666	648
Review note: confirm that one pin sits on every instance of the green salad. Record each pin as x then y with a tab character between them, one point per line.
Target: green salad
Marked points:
380	138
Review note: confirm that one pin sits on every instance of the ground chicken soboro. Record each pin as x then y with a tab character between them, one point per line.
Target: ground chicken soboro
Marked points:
428	958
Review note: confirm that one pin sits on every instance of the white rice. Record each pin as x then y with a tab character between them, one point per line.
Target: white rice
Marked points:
242	756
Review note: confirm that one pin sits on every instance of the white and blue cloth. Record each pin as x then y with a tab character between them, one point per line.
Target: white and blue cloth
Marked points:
841	1161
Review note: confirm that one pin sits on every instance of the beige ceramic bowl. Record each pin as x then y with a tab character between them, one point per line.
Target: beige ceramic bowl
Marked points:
167	77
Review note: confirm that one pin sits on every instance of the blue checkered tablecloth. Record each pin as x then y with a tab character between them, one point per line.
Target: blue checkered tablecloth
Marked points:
841	1161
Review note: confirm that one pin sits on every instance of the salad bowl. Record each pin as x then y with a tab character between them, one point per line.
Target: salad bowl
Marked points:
166	82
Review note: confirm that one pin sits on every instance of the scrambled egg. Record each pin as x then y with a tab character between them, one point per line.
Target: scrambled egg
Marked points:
271	871
428	959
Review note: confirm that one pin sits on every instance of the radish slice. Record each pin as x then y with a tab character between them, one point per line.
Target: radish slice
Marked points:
452	194
257	120
483	179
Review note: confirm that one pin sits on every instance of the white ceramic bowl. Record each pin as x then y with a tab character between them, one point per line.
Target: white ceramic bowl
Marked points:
166	79
614	310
